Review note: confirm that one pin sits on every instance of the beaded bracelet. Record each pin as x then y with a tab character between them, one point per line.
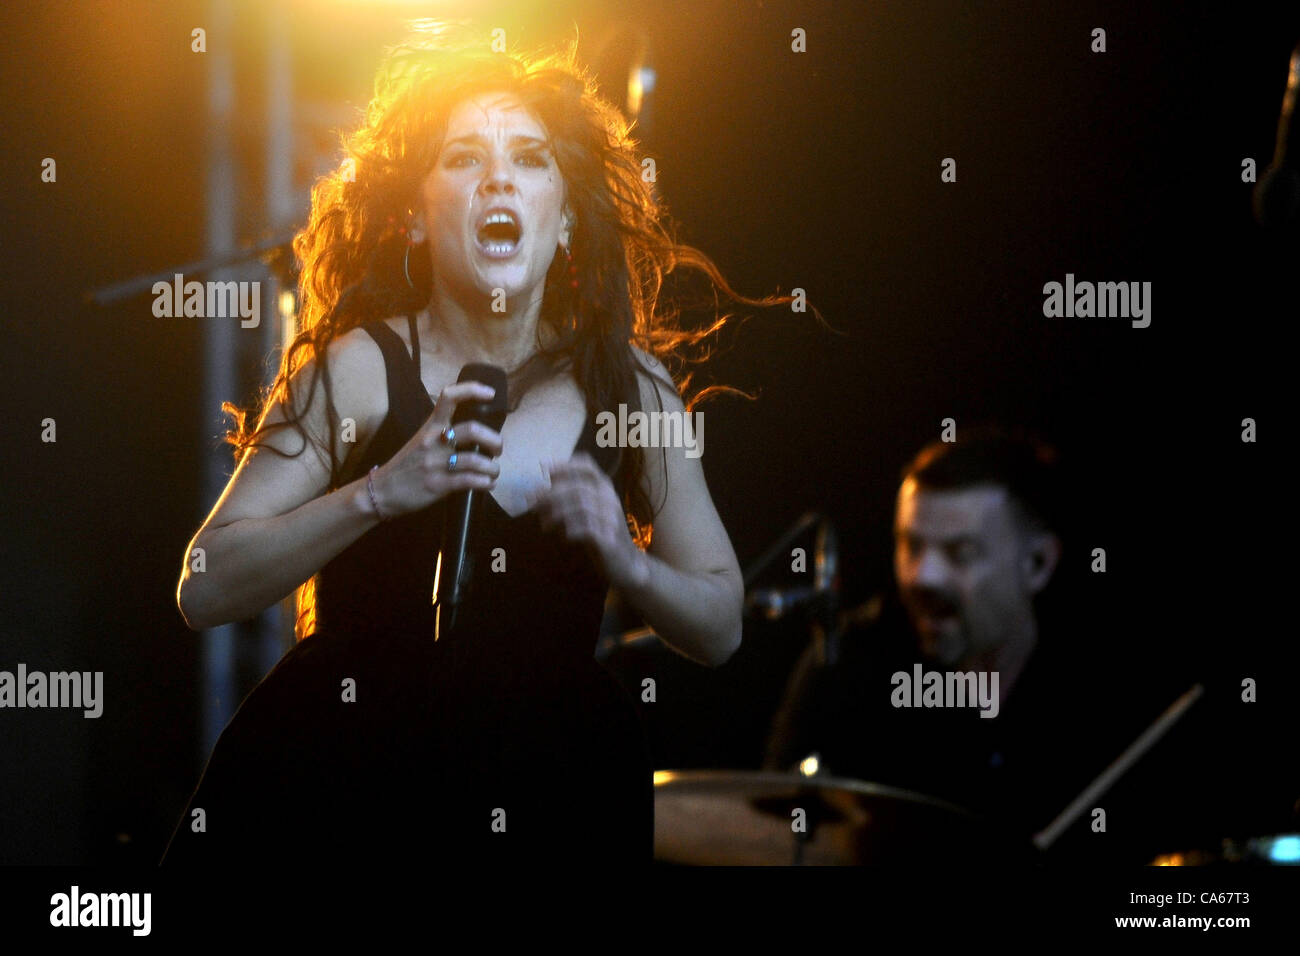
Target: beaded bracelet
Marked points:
370	487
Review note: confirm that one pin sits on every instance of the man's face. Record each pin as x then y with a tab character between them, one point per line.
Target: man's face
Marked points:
961	561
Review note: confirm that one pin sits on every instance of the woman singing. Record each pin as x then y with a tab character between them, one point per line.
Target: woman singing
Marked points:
491	209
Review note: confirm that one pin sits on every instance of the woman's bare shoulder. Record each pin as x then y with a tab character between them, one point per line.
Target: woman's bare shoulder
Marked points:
653	369
357	379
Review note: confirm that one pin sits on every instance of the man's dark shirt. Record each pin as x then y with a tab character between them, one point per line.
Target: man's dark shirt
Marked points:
1064	720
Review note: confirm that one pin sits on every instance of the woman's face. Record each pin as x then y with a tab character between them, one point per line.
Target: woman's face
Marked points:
494	203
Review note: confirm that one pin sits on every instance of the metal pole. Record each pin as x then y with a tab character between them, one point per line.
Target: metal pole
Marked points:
279	204
219	357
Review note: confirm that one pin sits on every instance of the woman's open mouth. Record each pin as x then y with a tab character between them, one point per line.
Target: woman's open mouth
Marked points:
498	234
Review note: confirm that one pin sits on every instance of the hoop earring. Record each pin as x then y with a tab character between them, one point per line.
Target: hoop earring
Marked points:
406	267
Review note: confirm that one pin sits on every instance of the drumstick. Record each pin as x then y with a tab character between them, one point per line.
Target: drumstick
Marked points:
1047	836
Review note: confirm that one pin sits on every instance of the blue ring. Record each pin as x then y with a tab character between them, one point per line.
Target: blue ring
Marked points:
451	462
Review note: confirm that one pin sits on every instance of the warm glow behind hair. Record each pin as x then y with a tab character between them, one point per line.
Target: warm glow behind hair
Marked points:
351	250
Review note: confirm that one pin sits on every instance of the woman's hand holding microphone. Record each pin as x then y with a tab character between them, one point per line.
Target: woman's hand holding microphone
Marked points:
422	472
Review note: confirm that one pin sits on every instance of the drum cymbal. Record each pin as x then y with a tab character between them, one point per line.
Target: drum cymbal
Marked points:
756	818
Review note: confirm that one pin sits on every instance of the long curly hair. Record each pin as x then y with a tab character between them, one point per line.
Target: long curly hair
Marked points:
351	250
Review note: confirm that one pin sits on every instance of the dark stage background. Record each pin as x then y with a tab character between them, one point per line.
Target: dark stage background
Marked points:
817	171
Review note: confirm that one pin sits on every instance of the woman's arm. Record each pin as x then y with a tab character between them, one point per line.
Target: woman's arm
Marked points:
695	611
273	526
692	592
688	586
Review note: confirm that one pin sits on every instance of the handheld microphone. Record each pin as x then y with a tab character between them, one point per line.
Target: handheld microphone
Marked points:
455	570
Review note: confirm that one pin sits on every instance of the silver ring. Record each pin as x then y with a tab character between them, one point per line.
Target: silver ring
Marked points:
451	462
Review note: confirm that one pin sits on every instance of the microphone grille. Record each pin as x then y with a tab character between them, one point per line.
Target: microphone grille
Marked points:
492	413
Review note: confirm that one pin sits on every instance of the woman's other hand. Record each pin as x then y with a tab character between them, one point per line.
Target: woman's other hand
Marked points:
581	501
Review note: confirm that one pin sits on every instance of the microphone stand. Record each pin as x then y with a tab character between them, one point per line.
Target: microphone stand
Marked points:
280	260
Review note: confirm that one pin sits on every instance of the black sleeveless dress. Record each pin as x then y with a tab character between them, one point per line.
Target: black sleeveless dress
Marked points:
370	742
